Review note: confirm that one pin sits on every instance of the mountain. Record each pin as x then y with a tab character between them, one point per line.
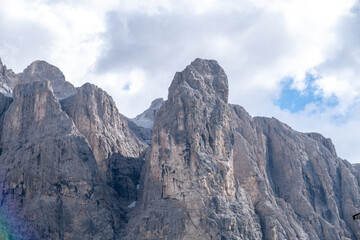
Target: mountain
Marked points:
191	167
36	71
143	123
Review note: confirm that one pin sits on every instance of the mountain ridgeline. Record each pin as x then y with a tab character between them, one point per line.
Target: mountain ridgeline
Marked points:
191	167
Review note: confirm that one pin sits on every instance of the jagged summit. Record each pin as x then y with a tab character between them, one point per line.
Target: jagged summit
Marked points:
37	71
42	71
205	76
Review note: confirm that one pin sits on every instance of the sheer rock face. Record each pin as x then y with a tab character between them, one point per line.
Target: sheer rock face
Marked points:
191	164
48	174
320	188
43	71
298	186
118	152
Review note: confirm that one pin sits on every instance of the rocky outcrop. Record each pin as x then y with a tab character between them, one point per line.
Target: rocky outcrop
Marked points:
190	181
312	181
296	182
211	162
43	71
118	152
48	175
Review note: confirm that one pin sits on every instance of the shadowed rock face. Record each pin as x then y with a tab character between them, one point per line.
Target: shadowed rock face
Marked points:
211	162
118	152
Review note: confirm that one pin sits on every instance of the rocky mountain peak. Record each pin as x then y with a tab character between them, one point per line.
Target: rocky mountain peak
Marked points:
204	76
42	71
146	119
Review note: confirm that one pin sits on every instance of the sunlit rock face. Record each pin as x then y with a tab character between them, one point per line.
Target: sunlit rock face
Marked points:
49	181
190	181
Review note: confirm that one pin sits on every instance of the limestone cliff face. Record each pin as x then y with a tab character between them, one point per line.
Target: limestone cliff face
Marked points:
211	162
313	182
191	164
299	187
118	152
48	174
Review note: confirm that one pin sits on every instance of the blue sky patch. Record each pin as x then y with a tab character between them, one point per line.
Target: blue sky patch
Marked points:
126	87
296	100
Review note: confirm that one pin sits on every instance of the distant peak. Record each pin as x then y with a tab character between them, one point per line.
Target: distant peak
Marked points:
39	66
157	102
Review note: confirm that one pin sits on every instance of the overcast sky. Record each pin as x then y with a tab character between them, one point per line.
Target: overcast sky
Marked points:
296	60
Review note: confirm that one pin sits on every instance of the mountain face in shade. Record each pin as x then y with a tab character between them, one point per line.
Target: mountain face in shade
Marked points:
191	167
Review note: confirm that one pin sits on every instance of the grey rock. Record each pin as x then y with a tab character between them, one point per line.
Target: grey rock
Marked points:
142	133
189	181
81	170
49	181
43	71
118	152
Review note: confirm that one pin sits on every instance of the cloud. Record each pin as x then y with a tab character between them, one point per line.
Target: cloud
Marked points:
132	48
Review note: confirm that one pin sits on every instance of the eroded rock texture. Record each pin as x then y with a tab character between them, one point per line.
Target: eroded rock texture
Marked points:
119	153
76	169
48	174
211	163
190	182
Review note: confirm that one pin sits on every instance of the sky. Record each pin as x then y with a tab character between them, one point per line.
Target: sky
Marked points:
296	60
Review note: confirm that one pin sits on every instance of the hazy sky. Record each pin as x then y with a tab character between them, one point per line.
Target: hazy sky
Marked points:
296	60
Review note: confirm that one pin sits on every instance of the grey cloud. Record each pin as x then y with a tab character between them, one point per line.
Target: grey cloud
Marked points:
149	41
23	41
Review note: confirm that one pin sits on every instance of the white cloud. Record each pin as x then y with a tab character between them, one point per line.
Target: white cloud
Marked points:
132	48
